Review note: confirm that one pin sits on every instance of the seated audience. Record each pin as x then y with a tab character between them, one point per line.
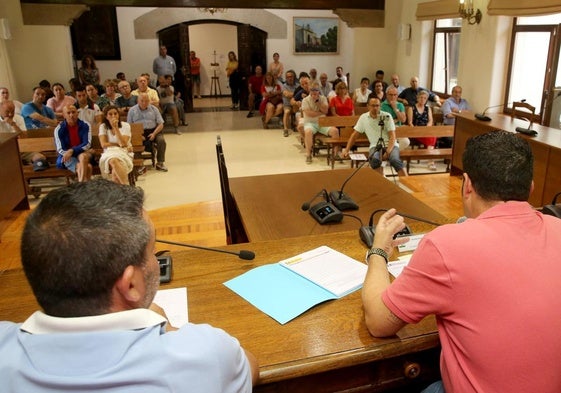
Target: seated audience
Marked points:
454	104
111	92
420	114
340	77
121	76
73	139
361	94
88	111
397	111
409	95
378	91
73	84
36	114
315	106
379	76
277	68
325	87
254	88
46	85
480	278
395	83
272	98
342	103
167	100
313	75
9	120
300	93
93	96
153	125
59	100
380	131
127	100
143	87
115	139
88	255
288	89
5	96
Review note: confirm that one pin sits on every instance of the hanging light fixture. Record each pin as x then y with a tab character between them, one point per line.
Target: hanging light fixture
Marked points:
468	13
212	10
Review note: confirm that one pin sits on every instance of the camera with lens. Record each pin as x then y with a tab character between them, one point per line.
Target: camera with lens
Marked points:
383	120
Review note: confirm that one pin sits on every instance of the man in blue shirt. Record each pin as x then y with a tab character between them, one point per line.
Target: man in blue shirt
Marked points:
88	254
36	114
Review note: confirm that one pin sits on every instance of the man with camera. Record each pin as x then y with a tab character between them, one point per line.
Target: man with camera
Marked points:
380	131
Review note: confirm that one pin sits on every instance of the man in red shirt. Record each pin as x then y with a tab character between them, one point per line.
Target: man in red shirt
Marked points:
254	87
73	139
195	74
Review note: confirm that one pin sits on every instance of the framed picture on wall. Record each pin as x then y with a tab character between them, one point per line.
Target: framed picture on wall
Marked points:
96	33
316	35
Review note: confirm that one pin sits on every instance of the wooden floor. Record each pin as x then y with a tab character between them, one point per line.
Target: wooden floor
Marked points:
202	223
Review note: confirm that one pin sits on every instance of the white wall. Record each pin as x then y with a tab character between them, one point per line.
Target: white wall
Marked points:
44	52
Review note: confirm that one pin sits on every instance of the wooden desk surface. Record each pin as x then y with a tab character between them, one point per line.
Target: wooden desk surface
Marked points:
546	147
330	337
270	206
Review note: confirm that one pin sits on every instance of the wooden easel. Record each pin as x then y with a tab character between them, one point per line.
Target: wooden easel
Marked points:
215	83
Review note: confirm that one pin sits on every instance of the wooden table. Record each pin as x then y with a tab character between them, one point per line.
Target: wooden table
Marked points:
270	205
13	195
546	147
326	349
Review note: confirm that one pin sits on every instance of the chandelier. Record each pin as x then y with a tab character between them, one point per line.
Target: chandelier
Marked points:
212	10
468	13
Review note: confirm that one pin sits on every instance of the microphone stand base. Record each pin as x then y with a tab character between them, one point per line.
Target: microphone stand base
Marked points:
342	201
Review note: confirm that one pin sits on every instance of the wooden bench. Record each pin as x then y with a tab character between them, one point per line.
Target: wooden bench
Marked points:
41	140
345	124
424	154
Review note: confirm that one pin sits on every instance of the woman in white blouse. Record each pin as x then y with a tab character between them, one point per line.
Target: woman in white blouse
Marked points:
115	138
361	94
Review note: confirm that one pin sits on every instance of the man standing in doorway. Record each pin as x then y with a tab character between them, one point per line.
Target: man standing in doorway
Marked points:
195	74
164	65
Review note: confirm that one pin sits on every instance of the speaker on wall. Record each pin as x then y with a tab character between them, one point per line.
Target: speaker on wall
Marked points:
404	31
5	32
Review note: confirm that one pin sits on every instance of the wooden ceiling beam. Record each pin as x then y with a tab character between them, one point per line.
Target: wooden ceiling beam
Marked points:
279	4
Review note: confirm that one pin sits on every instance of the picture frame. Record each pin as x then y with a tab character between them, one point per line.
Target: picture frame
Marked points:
96	33
318	36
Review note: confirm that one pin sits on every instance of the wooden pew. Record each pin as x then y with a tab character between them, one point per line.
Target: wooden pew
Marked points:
423	154
41	140
346	123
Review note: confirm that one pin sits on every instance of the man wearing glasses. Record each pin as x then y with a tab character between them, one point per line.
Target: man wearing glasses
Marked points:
379	128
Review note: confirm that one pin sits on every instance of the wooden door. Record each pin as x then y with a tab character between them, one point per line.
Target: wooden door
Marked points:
176	40
252	51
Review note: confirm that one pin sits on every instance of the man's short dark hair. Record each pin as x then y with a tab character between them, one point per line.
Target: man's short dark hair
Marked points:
77	243
500	166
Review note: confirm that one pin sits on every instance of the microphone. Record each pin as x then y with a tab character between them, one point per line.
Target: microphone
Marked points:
306	205
367	233
340	199
242	254
323	212
483	117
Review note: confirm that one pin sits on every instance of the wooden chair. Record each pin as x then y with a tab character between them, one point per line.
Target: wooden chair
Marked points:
529	112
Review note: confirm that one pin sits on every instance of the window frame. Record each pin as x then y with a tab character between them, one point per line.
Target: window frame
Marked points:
446	31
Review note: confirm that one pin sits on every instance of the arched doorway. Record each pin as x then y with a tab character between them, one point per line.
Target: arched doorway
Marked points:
251	50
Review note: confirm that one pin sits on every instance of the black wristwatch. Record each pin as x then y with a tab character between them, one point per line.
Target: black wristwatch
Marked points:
377	251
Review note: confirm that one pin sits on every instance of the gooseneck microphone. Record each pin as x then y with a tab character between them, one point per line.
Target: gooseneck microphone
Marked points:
306	205
340	199
242	254
367	233
483	117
